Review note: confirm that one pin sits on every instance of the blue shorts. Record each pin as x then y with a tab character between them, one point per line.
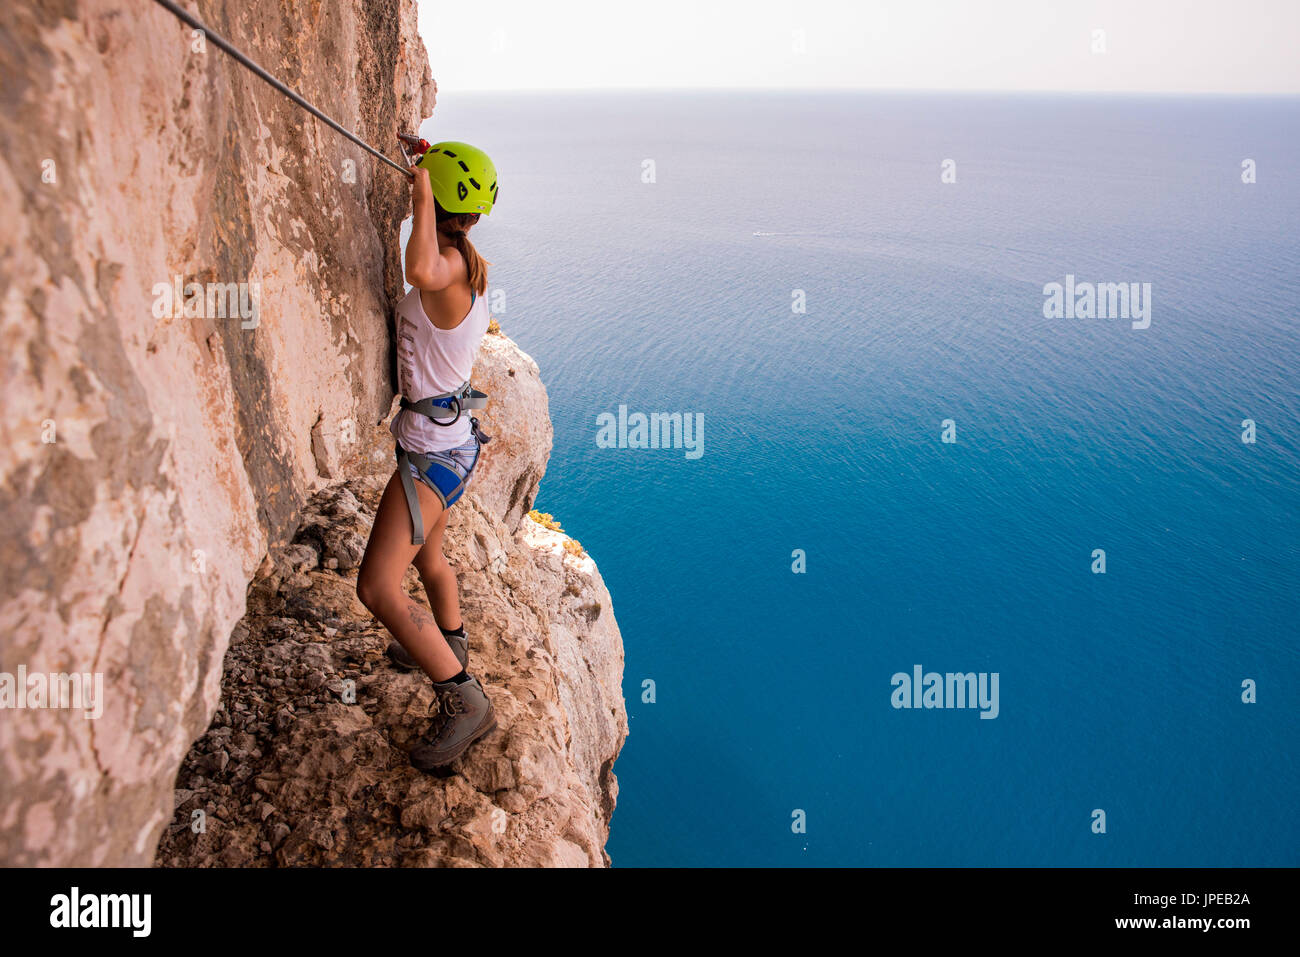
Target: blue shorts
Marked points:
449	471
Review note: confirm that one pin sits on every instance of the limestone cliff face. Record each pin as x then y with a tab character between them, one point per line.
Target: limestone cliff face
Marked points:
155	458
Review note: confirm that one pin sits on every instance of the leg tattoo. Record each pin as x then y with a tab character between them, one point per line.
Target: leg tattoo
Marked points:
420	616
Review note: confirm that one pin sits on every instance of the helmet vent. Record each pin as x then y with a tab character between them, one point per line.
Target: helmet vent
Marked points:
463	166
473	182
448	153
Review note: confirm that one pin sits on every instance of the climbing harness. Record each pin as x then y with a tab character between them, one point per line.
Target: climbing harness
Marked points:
439	470
221	43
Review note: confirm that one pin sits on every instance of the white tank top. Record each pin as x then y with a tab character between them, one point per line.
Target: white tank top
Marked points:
431	361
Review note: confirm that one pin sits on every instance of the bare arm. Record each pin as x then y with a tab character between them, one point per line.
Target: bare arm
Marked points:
427	266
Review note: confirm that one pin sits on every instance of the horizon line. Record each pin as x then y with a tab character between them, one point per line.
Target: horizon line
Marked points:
1243	94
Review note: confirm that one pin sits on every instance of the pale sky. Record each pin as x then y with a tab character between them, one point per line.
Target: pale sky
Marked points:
1161	46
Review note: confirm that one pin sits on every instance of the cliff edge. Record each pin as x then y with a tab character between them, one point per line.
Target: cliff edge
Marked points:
196	283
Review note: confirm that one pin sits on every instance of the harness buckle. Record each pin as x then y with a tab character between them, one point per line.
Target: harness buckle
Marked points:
450	400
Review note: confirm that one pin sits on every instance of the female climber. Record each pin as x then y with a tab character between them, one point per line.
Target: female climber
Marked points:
440	325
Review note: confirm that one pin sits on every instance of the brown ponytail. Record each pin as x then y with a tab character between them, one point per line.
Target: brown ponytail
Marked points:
455	226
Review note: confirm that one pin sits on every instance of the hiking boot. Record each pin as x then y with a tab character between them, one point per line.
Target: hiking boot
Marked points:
464	716
402	658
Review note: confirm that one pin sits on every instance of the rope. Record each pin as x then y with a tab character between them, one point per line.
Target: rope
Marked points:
222	43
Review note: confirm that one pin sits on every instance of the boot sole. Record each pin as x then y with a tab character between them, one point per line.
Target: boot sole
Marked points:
403	666
399	664
483	730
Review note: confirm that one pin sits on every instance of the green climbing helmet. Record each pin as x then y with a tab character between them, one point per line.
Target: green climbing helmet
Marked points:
463	177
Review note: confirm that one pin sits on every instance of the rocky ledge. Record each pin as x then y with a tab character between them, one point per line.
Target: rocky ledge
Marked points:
305	761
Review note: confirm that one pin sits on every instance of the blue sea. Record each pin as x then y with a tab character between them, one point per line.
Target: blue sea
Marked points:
649	250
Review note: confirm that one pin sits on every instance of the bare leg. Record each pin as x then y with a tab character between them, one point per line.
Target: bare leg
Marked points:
379	582
438	578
